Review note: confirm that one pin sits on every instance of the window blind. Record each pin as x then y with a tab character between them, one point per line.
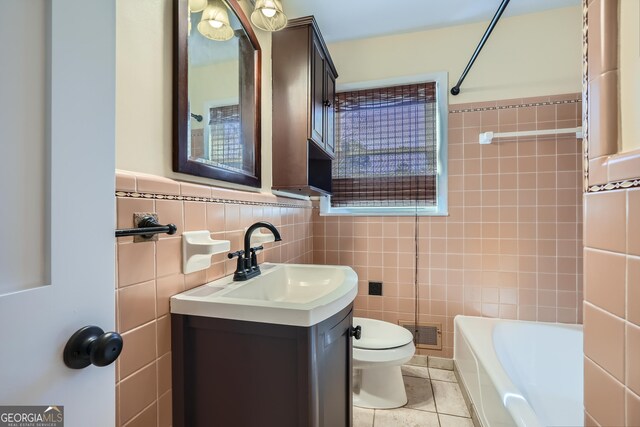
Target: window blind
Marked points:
386	147
225	144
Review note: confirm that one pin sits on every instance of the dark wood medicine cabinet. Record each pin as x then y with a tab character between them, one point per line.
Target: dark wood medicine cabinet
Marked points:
193	152
304	86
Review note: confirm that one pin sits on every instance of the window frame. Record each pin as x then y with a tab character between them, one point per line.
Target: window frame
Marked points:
442	122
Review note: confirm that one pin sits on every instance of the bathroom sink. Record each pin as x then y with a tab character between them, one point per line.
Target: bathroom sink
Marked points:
298	284
284	294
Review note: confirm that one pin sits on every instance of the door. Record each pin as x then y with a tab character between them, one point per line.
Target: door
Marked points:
57	134
334	355
317	93
329	134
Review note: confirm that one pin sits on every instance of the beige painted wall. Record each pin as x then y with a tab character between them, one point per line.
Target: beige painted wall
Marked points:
211	83
629	74
529	55
538	54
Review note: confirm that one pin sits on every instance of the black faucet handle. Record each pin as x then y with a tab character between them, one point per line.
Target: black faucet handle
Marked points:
242	264
254	257
235	254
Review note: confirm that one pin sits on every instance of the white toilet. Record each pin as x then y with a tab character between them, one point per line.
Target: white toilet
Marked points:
377	356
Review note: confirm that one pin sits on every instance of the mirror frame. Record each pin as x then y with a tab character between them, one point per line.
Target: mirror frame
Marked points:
181	112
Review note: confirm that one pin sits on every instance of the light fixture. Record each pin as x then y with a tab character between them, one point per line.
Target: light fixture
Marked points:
214	23
268	15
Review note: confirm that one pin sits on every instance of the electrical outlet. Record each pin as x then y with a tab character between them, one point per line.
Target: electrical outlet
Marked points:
375	288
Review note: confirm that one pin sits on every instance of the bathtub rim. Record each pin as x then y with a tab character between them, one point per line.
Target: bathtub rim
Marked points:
518	407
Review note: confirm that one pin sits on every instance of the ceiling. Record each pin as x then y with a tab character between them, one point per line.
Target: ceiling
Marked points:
353	19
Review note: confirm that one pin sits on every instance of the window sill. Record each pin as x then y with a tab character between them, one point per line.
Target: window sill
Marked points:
390	213
380	211
440	210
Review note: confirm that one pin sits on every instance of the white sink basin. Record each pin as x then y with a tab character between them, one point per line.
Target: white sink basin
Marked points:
284	294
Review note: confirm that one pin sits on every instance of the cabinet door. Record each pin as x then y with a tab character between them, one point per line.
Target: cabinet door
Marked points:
335	374
330	98
317	94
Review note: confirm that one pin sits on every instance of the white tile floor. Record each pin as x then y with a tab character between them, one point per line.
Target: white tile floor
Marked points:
434	397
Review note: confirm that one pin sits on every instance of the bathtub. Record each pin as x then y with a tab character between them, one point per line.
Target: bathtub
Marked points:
519	373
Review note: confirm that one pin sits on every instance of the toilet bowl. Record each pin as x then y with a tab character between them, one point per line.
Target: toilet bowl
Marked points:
377	356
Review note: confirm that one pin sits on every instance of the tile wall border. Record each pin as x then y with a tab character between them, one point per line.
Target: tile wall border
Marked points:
521	105
157	196
617	185
585	95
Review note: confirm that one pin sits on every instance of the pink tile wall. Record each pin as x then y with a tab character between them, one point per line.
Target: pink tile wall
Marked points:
148	274
511	246
612	307
612	239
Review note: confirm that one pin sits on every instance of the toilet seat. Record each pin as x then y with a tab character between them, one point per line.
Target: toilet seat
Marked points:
379	335
364	358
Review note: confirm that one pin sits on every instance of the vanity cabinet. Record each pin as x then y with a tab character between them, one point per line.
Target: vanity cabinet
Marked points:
246	374
304	86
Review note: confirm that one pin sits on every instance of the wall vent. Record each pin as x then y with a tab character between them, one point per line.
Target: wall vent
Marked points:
426	335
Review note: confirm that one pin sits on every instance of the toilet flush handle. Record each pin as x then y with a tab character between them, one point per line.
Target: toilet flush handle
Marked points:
356	332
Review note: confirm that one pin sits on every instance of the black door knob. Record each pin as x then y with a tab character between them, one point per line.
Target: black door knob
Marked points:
356	332
92	346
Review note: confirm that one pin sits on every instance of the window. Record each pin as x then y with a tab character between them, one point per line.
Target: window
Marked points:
223	146
390	156
224	142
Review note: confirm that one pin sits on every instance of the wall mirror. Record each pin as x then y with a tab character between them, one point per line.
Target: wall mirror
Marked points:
217	73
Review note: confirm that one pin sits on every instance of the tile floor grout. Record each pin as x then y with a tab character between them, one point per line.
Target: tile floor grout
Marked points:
433	393
429	416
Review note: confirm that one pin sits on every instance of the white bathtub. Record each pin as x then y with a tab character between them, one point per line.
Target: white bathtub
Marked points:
521	373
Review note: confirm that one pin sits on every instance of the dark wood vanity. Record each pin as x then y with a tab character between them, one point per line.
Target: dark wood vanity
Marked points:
304	85
248	374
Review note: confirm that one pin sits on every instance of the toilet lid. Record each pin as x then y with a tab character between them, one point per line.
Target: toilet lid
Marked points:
378	335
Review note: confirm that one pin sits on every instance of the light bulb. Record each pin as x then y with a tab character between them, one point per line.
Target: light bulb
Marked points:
216	24
268	12
268	15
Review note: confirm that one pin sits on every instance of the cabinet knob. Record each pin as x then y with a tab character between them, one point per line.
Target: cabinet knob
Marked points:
327	103
356	332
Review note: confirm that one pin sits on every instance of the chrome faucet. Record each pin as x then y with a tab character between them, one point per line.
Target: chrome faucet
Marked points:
247	266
